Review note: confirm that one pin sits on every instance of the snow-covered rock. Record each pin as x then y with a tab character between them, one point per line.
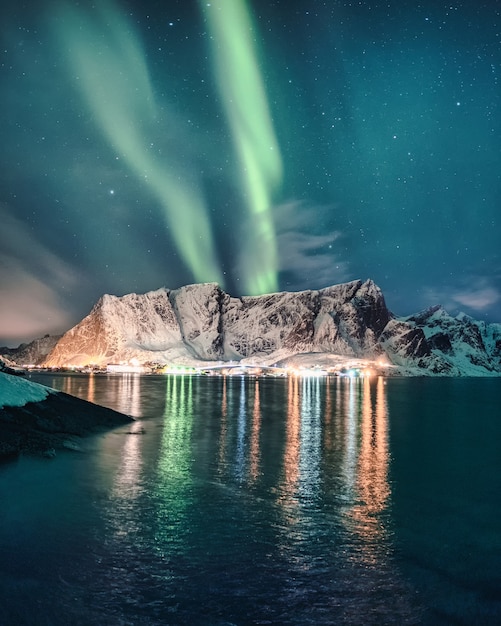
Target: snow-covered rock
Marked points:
35	419
200	322
120	329
198	312
16	391
458	345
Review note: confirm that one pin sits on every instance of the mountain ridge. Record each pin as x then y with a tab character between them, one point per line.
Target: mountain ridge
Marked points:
201	323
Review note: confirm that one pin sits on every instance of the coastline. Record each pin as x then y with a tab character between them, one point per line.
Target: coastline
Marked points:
57	423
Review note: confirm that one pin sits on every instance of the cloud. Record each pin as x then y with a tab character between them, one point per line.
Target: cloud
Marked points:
477	293
478	299
19	243
308	258
28	307
31	278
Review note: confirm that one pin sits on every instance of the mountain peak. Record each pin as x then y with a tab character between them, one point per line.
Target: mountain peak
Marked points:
200	322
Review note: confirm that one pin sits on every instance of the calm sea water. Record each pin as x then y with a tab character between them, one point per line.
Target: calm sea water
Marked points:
262	501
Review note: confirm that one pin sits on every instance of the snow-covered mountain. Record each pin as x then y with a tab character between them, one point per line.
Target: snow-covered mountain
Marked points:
201	322
32	353
458	345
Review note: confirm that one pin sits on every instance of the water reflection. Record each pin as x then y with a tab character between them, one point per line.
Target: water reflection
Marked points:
223	432
301	480
126	392
127	484
336	450
91	397
254	452
241	443
372	469
292	444
335	438
223	428
349	399
245	501
123	461
307	402
174	467
129	396
310	439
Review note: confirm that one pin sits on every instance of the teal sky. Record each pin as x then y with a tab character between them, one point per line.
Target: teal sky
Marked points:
277	145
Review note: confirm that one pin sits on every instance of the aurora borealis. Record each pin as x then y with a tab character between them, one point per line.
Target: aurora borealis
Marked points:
245	104
277	145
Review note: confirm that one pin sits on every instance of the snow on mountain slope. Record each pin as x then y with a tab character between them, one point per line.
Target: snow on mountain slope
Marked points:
460	345
351	318
120	329
202	323
198	312
344	319
263	324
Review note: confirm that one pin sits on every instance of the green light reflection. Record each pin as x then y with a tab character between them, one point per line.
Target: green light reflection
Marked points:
175	479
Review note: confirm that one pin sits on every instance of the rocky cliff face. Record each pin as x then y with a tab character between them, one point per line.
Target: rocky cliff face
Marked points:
457	345
203	323
144	327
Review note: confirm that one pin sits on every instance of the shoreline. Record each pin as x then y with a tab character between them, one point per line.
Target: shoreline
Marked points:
57	423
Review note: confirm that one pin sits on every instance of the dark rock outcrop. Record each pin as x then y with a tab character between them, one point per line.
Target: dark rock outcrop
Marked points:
56	423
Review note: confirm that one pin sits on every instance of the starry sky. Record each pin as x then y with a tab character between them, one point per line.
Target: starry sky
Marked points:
264	145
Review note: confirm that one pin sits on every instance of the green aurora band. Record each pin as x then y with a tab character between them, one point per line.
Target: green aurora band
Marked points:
109	68
245	104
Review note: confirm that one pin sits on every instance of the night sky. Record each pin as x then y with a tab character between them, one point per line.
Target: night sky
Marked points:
264	145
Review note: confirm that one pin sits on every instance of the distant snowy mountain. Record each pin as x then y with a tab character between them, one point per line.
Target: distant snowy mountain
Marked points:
459	345
32	353
200	323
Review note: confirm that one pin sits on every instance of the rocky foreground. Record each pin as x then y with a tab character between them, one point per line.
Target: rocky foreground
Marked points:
37	420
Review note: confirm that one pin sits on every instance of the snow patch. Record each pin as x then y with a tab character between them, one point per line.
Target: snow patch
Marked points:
16	391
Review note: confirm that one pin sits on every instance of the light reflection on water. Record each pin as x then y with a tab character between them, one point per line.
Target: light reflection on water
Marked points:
234	500
173	484
254	446
373	462
336	512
